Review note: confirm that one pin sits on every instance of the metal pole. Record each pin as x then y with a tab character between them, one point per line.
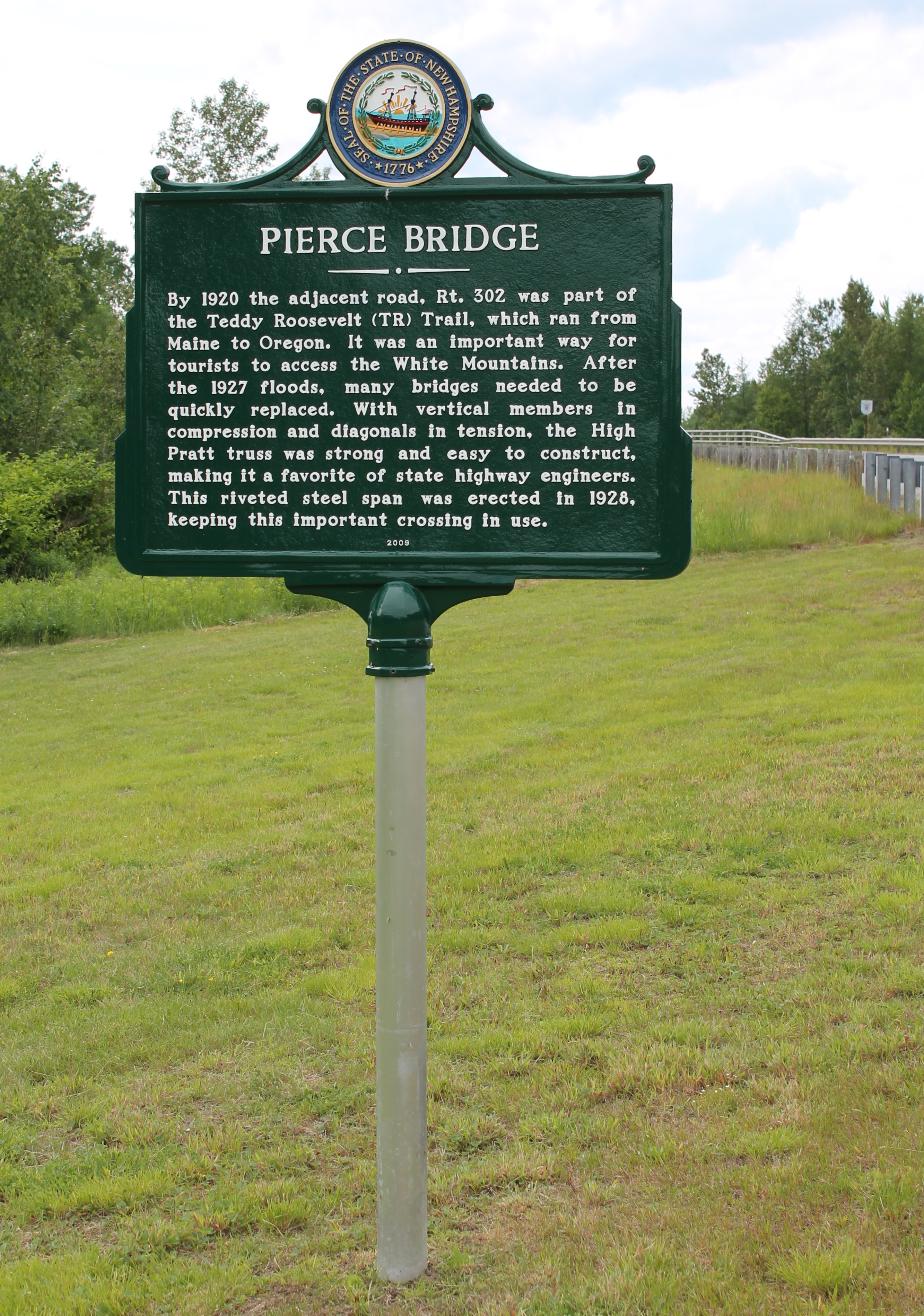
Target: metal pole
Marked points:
401	976
399	643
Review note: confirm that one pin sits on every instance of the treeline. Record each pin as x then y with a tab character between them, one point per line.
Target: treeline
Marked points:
834	354
64	289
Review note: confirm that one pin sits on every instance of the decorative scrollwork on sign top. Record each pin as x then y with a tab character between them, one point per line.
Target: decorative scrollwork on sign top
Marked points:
517	171
492	150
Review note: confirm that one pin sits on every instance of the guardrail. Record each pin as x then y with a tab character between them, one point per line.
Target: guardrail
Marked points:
737	436
895	479
892	478
888	444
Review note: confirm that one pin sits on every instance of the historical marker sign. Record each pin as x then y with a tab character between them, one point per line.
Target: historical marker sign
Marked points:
464	382
404	390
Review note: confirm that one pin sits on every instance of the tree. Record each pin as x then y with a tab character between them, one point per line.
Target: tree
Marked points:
842	367
714	386
219	139
724	400
893	368
908	340
738	412
833	355
790	378
908	408
63	288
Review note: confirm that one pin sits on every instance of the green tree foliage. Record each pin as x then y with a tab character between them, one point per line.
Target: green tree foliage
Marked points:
63	288
740	408
832	355
219	139
715	385
55	510
907	412
792	377
842	369
723	400
896	368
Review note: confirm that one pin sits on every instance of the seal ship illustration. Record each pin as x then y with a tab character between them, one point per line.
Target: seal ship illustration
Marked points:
398	116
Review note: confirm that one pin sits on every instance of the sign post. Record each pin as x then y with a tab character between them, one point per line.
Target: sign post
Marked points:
401	976
399	659
404	390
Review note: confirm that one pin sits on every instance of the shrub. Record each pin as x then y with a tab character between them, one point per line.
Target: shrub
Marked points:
55	511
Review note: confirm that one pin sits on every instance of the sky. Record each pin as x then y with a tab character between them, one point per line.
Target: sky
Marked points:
791	133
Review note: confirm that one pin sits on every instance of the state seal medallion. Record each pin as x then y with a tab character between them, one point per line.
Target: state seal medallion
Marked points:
399	114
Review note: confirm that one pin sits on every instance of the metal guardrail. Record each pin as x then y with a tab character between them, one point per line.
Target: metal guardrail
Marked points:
895	479
888	444
737	436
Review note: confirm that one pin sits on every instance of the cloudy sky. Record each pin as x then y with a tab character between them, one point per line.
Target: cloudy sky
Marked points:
791	133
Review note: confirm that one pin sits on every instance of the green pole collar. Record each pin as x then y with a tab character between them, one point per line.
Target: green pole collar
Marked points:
399	632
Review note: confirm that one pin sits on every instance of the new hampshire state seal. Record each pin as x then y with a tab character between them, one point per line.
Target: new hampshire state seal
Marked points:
399	114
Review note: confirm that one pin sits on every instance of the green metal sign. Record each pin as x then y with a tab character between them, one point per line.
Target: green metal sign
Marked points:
453	383
403	390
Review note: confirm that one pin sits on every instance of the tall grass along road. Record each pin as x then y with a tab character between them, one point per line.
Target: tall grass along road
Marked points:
734	511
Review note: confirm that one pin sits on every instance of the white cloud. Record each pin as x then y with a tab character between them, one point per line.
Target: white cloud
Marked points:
841	107
871	235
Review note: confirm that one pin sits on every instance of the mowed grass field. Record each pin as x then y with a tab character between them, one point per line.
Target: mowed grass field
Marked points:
676	955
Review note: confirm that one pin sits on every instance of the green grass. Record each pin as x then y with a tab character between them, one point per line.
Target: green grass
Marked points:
105	600
676	964
828	1272
734	511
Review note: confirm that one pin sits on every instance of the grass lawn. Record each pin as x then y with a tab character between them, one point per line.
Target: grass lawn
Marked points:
734	510
676	955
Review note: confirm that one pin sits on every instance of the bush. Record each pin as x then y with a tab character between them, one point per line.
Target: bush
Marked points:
55	512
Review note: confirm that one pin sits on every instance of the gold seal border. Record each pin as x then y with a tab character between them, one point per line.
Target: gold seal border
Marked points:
374	49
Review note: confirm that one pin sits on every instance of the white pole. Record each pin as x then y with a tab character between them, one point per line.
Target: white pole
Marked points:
401	976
